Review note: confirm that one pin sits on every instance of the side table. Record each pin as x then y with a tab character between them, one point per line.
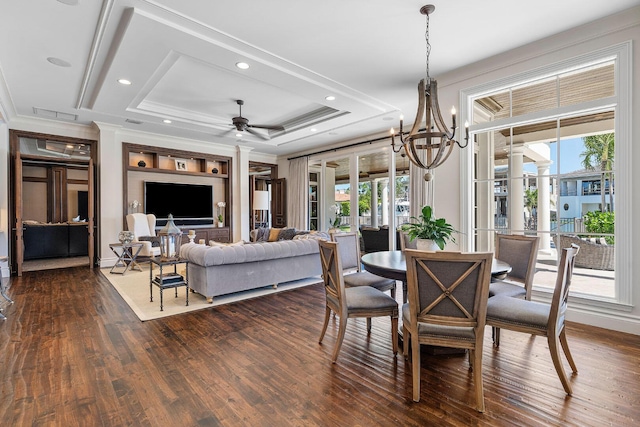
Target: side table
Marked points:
168	280
127	254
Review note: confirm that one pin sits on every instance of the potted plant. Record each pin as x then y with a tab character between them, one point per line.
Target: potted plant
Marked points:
427	227
221	206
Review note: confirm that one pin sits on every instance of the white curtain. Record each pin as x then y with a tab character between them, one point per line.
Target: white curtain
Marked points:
420	191
298	197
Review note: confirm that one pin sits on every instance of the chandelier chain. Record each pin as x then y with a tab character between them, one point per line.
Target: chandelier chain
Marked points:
426	38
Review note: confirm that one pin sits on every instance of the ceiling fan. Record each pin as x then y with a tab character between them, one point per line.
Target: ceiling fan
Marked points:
242	124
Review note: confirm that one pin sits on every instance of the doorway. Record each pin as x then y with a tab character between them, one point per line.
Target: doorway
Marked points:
52	202
267	201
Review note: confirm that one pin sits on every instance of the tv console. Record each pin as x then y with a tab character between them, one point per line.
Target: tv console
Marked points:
218	234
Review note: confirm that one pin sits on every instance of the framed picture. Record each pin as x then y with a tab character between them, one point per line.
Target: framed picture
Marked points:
181	165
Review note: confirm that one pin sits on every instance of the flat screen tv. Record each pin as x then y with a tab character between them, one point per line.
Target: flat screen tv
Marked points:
190	204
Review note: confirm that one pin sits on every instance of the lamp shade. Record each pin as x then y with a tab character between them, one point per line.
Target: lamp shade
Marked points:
260	200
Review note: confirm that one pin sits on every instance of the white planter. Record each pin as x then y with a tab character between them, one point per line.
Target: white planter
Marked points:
427	245
221	224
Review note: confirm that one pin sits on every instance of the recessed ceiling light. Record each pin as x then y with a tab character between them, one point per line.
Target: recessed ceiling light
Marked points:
59	62
242	65
167	121
69	2
313	130
124	82
330	98
69	146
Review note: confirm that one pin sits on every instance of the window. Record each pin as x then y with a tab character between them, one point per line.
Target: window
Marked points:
546	164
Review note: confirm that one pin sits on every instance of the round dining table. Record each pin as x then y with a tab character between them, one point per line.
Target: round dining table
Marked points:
393	265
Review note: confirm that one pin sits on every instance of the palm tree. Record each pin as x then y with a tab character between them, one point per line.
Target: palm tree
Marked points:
531	202
599	150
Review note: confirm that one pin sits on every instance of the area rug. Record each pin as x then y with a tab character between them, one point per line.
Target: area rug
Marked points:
133	286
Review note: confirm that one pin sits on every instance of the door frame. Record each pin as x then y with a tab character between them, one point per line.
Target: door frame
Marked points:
16	242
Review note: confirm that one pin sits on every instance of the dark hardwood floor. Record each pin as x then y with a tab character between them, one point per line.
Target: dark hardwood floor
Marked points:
72	353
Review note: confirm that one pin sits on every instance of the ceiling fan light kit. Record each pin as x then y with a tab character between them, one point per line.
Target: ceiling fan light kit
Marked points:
426	147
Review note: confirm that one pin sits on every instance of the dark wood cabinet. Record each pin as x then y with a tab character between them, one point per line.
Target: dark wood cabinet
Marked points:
218	234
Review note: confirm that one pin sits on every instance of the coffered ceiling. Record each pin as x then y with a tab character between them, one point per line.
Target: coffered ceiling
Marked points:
61	60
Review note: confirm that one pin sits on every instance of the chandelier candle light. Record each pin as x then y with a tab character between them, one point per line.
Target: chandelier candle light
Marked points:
436	146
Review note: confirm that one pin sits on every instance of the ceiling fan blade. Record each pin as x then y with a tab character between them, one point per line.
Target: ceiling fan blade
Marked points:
253	132
280	128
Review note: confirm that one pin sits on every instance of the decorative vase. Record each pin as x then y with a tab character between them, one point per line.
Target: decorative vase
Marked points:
427	245
214	170
126	237
142	163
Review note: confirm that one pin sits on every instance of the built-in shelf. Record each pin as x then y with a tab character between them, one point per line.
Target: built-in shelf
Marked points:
199	167
155	159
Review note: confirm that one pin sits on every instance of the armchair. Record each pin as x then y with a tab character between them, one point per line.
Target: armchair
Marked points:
144	231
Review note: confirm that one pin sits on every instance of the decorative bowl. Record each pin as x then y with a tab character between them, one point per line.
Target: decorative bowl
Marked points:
126	237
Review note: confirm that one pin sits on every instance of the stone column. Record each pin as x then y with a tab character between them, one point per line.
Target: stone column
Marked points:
374	202
516	189
544	206
385	201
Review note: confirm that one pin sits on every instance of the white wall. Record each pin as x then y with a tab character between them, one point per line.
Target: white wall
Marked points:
4	196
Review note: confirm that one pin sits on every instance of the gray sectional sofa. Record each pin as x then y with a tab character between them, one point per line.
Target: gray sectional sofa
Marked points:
220	270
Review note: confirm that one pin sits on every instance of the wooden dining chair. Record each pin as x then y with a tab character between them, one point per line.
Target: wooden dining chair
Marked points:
520	252
448	294
406	242
350	257
360	301
539	318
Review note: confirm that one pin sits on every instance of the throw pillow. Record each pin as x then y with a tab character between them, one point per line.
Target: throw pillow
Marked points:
287	234
263	234
273	234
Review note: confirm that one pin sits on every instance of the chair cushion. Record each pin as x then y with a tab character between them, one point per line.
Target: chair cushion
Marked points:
518	312
366	299
364	278
439	331
500	287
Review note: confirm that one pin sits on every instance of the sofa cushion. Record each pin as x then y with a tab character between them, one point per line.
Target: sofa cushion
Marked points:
214	243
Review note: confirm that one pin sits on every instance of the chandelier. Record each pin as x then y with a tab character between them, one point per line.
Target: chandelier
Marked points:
428	147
